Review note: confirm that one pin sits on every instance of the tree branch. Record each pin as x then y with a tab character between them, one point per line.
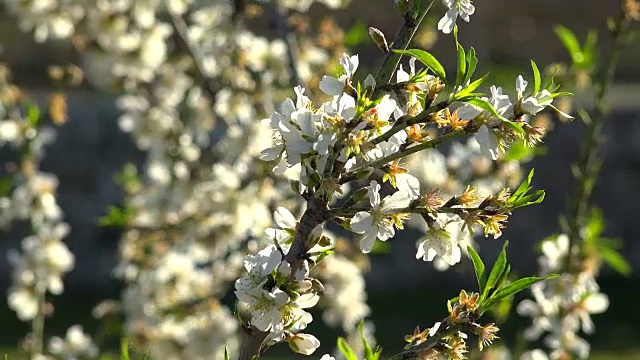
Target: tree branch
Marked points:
289	38
181	29
588	164
408	30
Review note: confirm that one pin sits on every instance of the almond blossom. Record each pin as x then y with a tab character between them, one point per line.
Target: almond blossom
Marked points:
379	222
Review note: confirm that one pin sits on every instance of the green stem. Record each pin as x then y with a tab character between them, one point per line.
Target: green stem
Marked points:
408	30
414	149
588	164
403	123
37	325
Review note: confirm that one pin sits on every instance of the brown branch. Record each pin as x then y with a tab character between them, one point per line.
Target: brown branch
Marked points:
181	29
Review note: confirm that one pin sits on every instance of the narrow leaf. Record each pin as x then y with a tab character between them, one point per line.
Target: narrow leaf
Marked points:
474	85
615	260
496	271
486	106
504	278
589	49
514	288
524	187
536	77
462	62
479	268
124	348
368	352
345	349
427	59
472	62
570	42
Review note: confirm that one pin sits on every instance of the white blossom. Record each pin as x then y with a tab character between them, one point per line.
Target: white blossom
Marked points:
462	8
375	224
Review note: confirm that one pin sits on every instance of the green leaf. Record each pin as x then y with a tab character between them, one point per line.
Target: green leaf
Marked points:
486	106
589	49
496	272
33	114
521	197
356	35
479	268
468	90
345	349
504	278
462	62
615	260
518	151
381	247
570	42
472	62
5	186
369	354
514	288
116	217
226	353
427	59
531	199
124	348
595	224
536	77
524	187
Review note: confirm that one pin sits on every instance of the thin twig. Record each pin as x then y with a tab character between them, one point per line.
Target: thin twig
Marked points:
284	31
402	41
181	30
412	150
588	165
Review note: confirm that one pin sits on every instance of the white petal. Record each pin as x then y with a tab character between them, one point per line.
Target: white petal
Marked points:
367	241
409	184
399	200
374	193
306	301
284	218
596	303
331	86
448	20
521	85
488	142
271	153
361	222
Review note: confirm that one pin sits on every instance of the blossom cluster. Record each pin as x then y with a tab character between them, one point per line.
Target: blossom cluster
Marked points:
364	131
274	293
191	80
31	197
561	308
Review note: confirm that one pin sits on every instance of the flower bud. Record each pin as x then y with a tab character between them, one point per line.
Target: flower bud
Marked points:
304	344
301	286
369	82
316	286
378	38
